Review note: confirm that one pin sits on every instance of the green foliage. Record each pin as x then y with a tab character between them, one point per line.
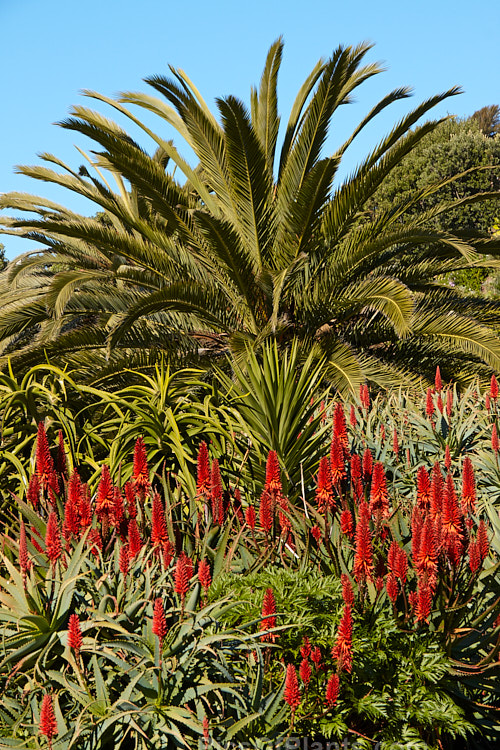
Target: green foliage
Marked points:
253	242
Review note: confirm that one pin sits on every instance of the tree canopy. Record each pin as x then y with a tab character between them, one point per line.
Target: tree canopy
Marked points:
259	240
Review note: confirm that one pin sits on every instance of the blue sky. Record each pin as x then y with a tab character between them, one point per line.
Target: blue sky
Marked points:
53	49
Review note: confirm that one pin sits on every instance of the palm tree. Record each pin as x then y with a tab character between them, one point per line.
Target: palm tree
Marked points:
256	242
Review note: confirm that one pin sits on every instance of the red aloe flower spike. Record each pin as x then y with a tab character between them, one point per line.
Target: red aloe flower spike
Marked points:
159	622
292	691
305	649
305	672
204	574
48	723
439	404
71	521
379	497
382	433
33	492
75	639
468	487
316	532
425	552
216	494
140	474
449	403
487	402
355	467
363	559
158	523
34	535
391	586
494	387
365	396
352	417
332	690
347	590
250	516
429	403
438	383
24	560
346	523
367	464
53	546
482	538
44	463
324	490
273	474
494	438
424	600
85	508
395	443
168	553
283	517
130	498
474	555
436	490
61	460
105	498
342	651
423	489
182	577
266	512
408	460
316	657
203	472
452	520
75	490
268	616
134	539
339	426
447	457
337	467
123	560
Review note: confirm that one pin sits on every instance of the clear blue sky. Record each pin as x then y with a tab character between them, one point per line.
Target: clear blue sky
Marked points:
53	49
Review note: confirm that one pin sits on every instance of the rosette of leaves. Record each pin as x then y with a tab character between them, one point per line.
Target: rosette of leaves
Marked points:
122	687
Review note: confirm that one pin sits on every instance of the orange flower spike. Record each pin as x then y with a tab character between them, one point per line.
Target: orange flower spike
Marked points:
216	494
24	560
483	541
342	651
53	546
33	491
339	426
158	523
266	514
159	628
305	672
494	387
203	480
75	639
48	723
352	417
367	464
182	575
423	489
337	466
438	383
292	691
468	487
273	474
250	517
44	462
134	539
395	443
429	403
105	498
391	586
140	474
379	496
363	558
347	591
268	616
204	574
324	490
452	519
332	690
437	487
